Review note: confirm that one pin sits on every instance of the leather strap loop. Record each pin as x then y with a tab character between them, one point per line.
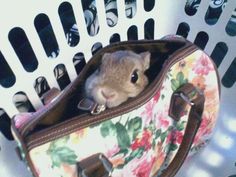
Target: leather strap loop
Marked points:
96	165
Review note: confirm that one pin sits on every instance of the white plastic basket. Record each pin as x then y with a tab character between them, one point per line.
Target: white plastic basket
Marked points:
214	31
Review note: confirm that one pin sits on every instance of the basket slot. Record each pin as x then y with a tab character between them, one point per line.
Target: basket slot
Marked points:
23	49
69	24
96	47
191	7
132	33
5	124
46	35
41	86
61	76
7	77
219	53
79	62
130	9
22	102
115	38
183	29
149	5
201	39
111	13
229	77
91	18
231	25
214	11
149	29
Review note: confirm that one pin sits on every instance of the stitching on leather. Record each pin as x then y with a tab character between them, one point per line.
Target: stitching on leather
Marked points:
64	134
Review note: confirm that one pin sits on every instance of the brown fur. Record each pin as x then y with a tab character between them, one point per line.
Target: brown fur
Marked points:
113	79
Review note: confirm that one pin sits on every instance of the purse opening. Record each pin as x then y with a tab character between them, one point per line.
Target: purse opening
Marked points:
66	106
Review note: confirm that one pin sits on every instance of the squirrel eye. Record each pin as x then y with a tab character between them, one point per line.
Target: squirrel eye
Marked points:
134	77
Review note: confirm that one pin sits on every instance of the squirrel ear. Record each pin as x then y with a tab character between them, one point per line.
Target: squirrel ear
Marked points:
146	58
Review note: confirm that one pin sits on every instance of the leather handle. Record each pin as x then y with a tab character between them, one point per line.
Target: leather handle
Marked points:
190	95
50	95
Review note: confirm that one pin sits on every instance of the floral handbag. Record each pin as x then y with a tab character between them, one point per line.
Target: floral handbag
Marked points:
149	135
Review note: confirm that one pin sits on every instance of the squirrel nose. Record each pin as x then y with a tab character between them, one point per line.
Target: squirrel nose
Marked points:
108	94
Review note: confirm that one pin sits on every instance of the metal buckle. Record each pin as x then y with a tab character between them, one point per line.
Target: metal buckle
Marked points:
97	109
186	99
89	105
191	96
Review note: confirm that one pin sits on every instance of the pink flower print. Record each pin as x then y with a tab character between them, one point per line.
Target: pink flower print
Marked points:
21	119
144	165
203	66
115	149
69	170
144	141
147	114
161	118
138	167
169	138
178	137
157	96
175	137
164	122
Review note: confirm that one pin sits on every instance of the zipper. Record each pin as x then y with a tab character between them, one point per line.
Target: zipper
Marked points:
85	120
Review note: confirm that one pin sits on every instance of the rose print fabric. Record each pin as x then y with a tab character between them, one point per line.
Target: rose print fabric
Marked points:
142	141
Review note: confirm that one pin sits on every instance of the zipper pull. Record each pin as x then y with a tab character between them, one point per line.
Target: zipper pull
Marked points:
89	105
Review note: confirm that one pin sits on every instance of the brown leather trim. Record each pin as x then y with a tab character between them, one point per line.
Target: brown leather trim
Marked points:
50	95
24	148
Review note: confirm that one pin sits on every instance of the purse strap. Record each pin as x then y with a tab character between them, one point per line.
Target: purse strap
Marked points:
186	95
98	165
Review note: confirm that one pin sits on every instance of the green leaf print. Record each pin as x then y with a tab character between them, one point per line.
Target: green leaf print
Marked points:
163	136
171	147
170	128
180	125
122	151
180	77
174	84
178	81
162	97
62	155
158	133
134	127
108	128
134	154
122	136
